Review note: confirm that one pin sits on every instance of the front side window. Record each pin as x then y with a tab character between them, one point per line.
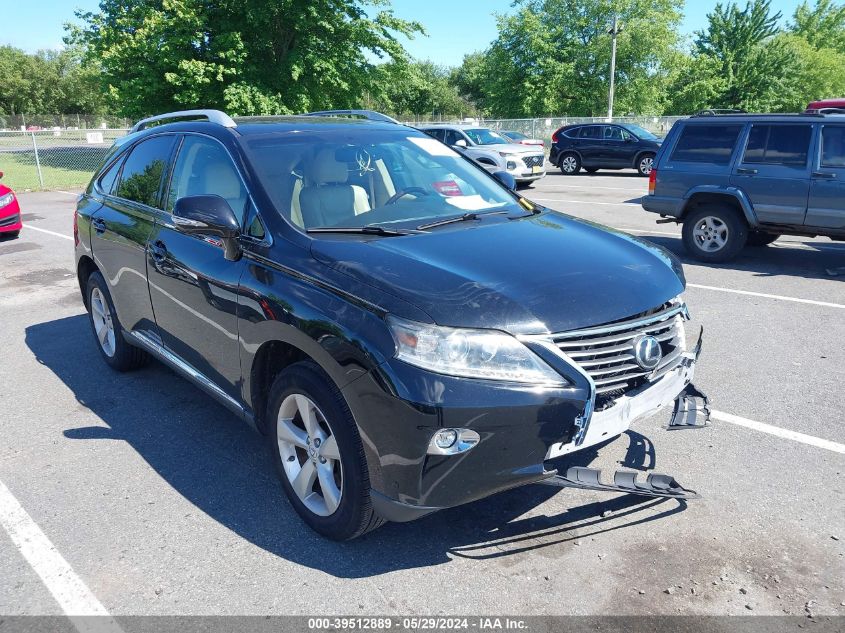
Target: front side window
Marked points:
833	146
143	170
613	133
204	167
706	144
778	144
365	177
484	136
452	137
436	133
639	132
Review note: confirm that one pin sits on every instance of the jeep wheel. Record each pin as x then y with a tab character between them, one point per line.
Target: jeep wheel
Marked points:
714	234
108	331
569	164
645	164
761	238
318	453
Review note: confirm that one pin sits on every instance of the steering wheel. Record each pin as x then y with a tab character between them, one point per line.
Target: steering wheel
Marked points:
404	192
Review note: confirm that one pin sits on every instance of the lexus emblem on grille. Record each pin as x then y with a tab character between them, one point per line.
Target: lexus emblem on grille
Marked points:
647	352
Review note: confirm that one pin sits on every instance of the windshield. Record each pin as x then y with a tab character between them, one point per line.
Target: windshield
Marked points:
483	136
322	179
640	132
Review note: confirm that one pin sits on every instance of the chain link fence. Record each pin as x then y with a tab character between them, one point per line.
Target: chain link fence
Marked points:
53	159
44	156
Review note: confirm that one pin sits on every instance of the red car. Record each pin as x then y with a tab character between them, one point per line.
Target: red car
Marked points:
10	212
826	104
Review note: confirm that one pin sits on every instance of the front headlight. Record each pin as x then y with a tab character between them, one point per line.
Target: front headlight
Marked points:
485	354
6	200
507	155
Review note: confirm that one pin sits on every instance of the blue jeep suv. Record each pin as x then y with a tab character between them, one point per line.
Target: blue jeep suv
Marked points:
745	179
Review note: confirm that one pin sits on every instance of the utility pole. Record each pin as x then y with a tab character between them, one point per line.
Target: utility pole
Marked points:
614	31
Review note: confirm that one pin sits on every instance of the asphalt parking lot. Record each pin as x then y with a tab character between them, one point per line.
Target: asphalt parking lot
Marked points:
136	494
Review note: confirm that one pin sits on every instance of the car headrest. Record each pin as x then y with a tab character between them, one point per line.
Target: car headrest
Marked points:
326	169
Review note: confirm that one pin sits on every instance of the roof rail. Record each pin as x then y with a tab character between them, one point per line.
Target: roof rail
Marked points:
719	111
212	116
370	115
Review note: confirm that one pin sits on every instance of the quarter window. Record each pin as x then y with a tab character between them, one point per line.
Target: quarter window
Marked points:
833	146
143	170
778	144
706	144
108	179
205	168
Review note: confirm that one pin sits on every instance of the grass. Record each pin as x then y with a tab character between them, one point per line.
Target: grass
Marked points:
20	172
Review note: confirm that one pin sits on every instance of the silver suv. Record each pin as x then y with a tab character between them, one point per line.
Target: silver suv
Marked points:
492	151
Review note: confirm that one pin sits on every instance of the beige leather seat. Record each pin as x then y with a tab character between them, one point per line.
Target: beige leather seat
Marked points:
220	179
328	200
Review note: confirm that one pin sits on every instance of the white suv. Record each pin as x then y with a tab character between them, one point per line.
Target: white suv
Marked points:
492	151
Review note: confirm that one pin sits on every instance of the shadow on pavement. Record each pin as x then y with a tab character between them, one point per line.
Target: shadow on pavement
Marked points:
221	466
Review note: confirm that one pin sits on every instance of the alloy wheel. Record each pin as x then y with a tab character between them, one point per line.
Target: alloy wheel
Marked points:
103	324
710	234
646	165
568	164
310	454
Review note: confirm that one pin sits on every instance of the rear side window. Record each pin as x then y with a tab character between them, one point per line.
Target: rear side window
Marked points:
572	132
706	143
143	170
778	144
833	146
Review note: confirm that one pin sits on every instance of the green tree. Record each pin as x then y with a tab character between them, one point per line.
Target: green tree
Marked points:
418	88
469	79
553	57
245	56
822	25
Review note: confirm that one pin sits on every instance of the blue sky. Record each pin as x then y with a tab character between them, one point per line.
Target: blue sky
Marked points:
455	27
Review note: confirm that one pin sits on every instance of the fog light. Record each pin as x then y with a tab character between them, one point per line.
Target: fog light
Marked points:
446	438
452	441
511	165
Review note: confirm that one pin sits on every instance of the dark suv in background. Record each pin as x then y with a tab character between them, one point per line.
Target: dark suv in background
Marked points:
407	332
603	146
744	179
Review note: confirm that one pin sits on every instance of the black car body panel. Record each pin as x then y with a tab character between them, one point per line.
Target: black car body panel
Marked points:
292	295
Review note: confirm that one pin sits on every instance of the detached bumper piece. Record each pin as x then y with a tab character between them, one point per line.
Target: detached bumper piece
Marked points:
656	485
692	410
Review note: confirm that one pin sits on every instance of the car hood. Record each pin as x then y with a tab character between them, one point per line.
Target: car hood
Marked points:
542	273
512	148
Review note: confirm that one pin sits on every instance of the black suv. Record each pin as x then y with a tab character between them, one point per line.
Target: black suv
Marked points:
603	146
745	179
407	332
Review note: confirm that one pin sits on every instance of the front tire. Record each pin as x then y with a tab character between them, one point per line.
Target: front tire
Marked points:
570	164
318	453
645	164
714	233
108	332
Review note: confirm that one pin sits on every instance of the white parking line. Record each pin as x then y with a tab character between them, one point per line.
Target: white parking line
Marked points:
55	572
67	193
589	186
35	228
811	440
825	304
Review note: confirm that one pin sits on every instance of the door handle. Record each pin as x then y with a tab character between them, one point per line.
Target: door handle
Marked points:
746	170
99	225
158	250
824	174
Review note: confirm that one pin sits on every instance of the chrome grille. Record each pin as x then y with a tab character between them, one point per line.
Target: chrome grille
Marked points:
534	161
606	352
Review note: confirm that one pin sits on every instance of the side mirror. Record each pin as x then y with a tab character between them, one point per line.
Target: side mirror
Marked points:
506	179
461	143
209	215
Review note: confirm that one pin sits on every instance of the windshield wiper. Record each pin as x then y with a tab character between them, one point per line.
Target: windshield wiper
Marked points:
369	229
466	217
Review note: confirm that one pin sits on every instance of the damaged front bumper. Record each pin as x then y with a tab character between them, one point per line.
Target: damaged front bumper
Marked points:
691	407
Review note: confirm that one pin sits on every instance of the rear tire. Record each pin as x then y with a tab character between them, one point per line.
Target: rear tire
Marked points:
108	332
306	415
570	164
761	238
714	233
